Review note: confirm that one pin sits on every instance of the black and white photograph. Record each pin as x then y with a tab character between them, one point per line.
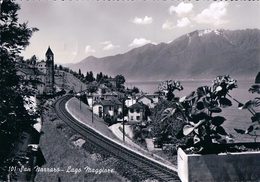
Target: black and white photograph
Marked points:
130	91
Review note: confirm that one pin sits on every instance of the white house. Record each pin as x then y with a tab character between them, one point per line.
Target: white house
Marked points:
92	98
41	66
130	101
146	100
136	112
108	108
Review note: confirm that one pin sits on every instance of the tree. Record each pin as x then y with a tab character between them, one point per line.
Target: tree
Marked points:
89	77
99	77
79	72
135	90
13	116
32	60
60	67
92	88
120	80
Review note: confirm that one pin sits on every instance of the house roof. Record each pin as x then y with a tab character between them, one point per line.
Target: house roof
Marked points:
40	62
108	102
111	93
138	105
145	96
21	64
30	71
26	71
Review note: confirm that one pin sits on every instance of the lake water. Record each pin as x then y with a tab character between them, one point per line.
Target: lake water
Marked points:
235	118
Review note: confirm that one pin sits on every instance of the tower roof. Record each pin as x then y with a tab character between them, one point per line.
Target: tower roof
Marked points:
49	52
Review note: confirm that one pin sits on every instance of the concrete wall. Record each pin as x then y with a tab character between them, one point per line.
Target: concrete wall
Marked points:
241	166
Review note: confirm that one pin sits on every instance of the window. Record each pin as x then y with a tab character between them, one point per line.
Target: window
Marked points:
110	108
132	118
131	110
137	118
137	110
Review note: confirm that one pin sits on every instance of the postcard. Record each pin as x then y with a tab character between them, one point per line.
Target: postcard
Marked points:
129	90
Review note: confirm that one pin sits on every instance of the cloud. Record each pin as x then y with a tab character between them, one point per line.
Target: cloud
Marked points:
213	14
89	50
167	25
183	22
181	9
137	42
74	53
109	46
143	21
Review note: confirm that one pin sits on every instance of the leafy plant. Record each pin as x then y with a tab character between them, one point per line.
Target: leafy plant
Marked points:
169	86
199	114
251	106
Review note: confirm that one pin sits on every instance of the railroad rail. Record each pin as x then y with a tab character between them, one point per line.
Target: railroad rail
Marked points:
153	168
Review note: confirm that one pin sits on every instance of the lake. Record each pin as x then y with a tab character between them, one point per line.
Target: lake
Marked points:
235	118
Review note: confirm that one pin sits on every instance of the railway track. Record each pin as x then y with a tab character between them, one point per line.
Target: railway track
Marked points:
153	168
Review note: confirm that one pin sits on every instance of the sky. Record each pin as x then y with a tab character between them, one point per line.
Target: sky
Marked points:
76	29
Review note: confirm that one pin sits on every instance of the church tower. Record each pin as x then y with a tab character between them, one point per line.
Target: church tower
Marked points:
49	80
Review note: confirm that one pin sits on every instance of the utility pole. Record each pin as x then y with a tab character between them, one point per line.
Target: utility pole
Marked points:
123	104
123	120
92	109
80	97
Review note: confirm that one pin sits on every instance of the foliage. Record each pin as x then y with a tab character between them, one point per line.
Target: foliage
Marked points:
163	128
13	116
92	88
120	80
135	90
198	114
169	86
254	89
138	133
251	106
89	77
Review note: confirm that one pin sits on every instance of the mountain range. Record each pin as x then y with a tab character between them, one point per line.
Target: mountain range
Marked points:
199	54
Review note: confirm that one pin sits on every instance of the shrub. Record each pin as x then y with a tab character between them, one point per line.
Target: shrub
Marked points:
196	112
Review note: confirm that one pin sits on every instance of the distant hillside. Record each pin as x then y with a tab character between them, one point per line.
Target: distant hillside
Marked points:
68	81
199	54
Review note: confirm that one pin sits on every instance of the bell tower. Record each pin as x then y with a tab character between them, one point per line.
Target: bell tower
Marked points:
49	80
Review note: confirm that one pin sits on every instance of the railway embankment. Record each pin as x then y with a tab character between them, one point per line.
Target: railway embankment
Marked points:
66	150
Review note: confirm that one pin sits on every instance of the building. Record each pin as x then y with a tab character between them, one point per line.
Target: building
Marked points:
41	66
154	97
146	100
108	109
130	101
137	112
49	77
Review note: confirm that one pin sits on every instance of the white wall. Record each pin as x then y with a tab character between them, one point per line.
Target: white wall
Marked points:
130	102
134	115
96	109
146	101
